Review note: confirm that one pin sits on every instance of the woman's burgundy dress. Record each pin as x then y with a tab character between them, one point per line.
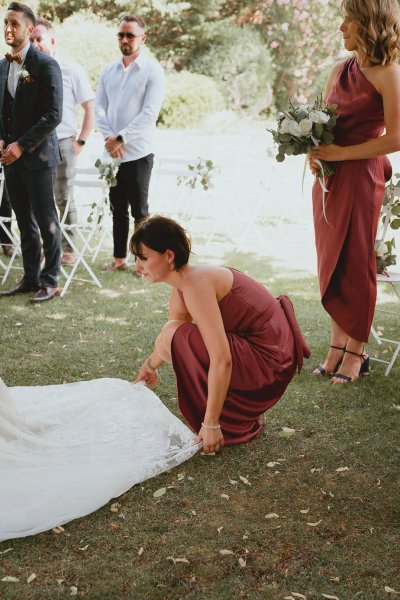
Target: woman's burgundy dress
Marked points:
345	245
266	346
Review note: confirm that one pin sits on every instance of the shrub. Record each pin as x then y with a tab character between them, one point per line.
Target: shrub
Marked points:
189	98
238	60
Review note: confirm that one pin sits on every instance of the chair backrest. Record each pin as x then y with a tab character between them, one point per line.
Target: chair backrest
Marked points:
2	183
91	205
392	195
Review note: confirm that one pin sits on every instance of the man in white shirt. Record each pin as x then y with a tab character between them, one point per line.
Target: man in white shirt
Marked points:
76	91
128	101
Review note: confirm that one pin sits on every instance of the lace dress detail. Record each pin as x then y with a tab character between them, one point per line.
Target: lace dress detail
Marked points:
66	450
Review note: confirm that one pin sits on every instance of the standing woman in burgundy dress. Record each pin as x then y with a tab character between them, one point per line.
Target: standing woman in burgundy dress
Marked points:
233	346
366	88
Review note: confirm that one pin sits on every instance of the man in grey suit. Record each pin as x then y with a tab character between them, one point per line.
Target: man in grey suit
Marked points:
30	110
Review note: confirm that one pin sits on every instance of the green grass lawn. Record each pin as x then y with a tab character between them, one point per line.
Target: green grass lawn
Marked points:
301	515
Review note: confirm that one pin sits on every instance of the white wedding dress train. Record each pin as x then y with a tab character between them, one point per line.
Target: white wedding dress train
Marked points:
66	450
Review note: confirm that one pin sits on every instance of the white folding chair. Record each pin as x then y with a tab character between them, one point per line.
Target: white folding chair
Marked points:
392	195
80	235
165	195
12	233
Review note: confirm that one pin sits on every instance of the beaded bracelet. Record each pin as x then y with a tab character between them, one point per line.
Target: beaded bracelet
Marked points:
150	365
211	426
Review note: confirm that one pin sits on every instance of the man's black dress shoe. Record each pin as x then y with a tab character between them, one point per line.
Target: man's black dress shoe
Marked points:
44	293
23	287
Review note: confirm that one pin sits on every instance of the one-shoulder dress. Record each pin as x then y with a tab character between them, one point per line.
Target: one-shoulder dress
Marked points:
266	346
345	245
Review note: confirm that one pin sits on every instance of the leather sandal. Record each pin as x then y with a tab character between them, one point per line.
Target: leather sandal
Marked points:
364	368
321	371
114	267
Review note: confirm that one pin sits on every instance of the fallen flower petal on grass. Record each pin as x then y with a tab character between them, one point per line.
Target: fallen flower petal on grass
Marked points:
272	516
74	590
10	579
342	469
140	551
286	432
115	507
328	597
160	492
5	551
225	552
245	480
178	560
225	496
31	578
297	595
315	524
242	562
390	590
58	529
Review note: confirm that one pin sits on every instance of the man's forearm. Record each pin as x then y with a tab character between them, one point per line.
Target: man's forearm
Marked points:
88	120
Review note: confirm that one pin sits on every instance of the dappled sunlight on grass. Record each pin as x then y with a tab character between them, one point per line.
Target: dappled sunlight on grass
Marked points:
57	316
109	293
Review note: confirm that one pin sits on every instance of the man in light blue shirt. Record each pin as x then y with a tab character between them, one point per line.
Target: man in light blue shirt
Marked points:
128	101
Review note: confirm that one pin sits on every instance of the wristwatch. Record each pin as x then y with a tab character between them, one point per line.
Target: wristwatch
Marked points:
81	142
120	139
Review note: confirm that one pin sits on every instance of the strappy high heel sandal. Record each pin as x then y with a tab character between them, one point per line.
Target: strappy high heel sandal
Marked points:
364	367
320	370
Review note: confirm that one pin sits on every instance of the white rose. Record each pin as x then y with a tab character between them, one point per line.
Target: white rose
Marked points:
313	116
323	117
318	116
285	125
305	127
294	128
382	250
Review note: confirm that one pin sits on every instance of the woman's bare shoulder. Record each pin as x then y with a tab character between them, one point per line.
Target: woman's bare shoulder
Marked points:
337	67
208	278
334	73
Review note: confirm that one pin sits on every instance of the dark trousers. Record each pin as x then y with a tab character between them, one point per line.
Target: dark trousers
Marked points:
5	211
32	199
132	190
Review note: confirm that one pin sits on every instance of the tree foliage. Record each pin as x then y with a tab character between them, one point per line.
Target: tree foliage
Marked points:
301	35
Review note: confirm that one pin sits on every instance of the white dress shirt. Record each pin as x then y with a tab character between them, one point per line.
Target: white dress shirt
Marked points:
76	90
128	102
15	68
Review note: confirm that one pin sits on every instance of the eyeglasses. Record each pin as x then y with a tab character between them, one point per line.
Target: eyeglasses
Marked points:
128	35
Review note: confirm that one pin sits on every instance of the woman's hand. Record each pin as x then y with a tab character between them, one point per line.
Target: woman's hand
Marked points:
148	375
212	439
314	168
329	152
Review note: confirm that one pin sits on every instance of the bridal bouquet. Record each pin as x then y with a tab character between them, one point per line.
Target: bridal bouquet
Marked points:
108	169
302	127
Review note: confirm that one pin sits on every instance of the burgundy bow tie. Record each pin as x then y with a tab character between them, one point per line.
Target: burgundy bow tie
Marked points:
12	57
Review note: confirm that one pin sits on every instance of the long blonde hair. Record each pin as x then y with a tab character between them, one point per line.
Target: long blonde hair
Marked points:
378	34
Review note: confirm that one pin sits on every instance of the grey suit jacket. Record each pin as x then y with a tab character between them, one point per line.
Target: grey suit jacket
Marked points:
37	110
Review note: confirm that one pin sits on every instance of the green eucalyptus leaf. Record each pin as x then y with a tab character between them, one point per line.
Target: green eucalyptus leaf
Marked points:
395	224
318	129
